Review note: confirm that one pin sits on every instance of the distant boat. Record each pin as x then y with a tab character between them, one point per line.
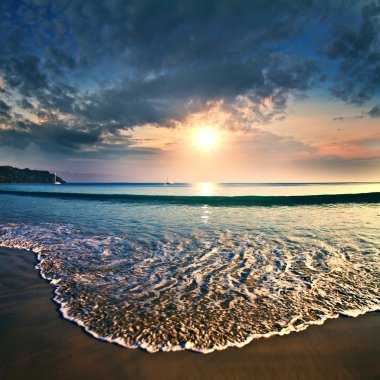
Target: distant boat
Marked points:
168	182
55	180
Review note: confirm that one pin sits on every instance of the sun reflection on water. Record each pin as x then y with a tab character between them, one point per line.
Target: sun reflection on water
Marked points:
206	188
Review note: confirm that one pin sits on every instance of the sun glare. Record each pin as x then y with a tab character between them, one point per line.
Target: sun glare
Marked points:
207	138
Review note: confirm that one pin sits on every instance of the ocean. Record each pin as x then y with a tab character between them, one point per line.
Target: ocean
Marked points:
200	266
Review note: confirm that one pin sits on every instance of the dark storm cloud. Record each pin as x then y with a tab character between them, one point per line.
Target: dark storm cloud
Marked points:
25	103
24	74
49	136
55	137
102	67
357	50
375	111
4	110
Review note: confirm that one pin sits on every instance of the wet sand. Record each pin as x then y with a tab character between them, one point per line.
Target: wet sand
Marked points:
36	343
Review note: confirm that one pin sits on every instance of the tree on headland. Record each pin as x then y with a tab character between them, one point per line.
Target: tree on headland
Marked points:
9	174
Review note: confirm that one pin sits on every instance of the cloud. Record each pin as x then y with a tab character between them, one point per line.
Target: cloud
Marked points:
374	111
339	165
355	47
267	144
350	117
58	137
104	67
4	111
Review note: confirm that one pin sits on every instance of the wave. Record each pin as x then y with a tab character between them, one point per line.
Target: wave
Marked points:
250	200
201	293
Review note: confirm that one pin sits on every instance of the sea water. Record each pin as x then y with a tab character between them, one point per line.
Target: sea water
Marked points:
200	266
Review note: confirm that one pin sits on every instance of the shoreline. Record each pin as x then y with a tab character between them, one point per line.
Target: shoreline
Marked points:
39	344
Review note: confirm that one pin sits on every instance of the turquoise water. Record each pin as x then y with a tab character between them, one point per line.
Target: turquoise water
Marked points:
204	188
203	266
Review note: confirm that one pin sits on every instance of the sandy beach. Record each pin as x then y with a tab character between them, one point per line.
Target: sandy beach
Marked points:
38	344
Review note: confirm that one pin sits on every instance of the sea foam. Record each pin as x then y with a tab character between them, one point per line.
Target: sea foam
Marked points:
204	292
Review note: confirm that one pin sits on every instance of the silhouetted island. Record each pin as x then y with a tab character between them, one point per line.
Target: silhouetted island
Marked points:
9	174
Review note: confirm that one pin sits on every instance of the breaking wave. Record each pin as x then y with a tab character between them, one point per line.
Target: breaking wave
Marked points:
248	200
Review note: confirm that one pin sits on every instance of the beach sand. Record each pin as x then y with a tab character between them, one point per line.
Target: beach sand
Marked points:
36	343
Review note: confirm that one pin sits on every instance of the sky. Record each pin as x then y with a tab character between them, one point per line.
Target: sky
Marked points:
216	90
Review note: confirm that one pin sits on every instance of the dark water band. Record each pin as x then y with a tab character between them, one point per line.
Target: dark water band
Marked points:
250	200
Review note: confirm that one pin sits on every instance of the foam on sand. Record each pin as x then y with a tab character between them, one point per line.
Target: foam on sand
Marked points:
203	293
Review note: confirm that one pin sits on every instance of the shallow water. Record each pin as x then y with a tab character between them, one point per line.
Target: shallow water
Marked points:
167	276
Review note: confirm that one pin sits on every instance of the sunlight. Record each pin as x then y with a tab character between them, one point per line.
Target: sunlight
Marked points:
207	139
206	188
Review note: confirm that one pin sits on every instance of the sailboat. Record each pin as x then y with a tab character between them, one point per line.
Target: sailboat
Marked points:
168	182
55	180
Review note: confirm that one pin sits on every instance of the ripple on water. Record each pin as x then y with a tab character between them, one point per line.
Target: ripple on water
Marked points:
202	293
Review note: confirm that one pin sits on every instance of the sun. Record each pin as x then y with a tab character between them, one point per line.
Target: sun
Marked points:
207	139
